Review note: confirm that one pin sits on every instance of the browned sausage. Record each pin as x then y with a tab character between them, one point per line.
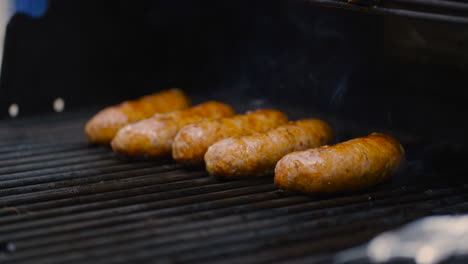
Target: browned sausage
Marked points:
192	141
105	124
348	166
257	154
153	137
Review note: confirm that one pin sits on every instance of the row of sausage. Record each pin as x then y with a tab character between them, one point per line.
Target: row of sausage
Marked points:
246	145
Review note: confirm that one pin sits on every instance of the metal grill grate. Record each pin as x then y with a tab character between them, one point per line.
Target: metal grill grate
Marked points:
64	201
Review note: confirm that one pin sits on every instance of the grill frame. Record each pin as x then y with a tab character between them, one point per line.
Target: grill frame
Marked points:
62	200
451	12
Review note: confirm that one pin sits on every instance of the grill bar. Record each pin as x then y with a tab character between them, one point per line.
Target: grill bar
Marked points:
287	213
61	170
185	186
64	201
136	178
130	213
41	158
236	235
68	210
32	141
9	149
84	157
31	136
241	242
18	153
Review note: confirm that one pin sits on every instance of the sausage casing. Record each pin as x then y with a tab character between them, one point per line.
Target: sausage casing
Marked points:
192	141
257	154
152	137
104	125
348	166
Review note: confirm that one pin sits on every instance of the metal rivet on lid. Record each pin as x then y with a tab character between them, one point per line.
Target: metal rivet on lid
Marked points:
59	105
13	110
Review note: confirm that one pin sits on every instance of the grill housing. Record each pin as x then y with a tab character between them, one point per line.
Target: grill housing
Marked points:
395	66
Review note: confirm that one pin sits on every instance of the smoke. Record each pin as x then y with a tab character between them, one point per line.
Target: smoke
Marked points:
340	91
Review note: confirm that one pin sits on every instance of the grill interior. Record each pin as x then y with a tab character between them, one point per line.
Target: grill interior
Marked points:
64	201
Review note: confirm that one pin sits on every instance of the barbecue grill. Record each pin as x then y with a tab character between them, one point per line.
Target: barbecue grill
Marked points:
63	200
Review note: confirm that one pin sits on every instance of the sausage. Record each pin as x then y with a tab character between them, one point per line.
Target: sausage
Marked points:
257	154
105	124
192	141
153	137
348	166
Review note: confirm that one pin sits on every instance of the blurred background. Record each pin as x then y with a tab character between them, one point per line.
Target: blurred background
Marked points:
391	71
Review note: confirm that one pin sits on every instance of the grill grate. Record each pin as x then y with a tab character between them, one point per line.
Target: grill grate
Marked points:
64	201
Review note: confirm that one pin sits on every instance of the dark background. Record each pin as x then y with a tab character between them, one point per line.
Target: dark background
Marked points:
395	73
